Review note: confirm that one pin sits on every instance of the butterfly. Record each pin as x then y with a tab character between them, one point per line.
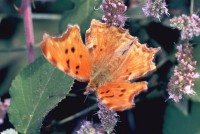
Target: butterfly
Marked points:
108	61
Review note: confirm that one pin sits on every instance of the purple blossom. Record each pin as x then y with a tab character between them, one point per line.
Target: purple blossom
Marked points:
107	117
114	12
155	8
9	131
88	127
182	81
4	109
189	26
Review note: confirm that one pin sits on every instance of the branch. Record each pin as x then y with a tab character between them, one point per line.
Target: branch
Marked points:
191	6
25	10
18	49
85	111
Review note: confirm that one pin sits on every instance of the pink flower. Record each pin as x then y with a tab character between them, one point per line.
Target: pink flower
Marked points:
107	117
88	127
114	12
182	81
4	109
155	8
189	25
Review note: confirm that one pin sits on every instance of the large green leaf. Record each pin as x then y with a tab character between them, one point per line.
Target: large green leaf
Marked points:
82	14
175	122
34	92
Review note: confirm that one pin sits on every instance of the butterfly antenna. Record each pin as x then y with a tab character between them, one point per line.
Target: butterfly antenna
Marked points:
86	98
167	99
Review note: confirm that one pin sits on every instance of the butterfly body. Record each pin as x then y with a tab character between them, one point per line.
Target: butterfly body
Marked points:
108	61
99	78
108	70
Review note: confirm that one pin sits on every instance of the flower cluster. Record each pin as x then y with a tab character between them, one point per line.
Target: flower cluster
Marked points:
189	26
114	12
155	8
88	128
182	81
9	131
107	117
4	109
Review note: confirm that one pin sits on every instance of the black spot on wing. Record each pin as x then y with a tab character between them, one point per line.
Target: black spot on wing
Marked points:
121	95
68	63
123	90
76	72
73	49
102	93
77	67
111	96
107	91
66	51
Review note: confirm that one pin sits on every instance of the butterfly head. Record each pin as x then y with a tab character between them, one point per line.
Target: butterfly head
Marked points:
91	87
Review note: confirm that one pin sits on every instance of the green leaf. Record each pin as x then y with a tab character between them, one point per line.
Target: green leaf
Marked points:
82	14
175	122
58	6
34	92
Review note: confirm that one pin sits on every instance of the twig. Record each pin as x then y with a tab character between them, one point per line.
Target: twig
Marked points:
164	60
20	49
36	16
191	6
77	115
25	10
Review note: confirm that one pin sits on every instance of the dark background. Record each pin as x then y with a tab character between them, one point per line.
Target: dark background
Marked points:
148	115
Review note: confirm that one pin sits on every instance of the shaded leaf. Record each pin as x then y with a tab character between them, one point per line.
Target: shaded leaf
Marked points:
175	122
82	14
16	60
34	92
56	6
196	55
178	7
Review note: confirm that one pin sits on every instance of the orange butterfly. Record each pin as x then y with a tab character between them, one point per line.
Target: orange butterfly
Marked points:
108	61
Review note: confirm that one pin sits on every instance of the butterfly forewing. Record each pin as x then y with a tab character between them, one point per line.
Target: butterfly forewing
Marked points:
103	41
138	63
68	53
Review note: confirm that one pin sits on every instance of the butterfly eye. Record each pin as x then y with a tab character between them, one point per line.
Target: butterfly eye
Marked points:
91	87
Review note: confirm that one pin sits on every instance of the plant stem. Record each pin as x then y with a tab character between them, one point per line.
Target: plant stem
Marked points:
25	10
18	49
77	115
191	6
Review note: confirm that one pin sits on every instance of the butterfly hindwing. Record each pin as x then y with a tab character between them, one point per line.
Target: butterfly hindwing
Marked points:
119	95
68	53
